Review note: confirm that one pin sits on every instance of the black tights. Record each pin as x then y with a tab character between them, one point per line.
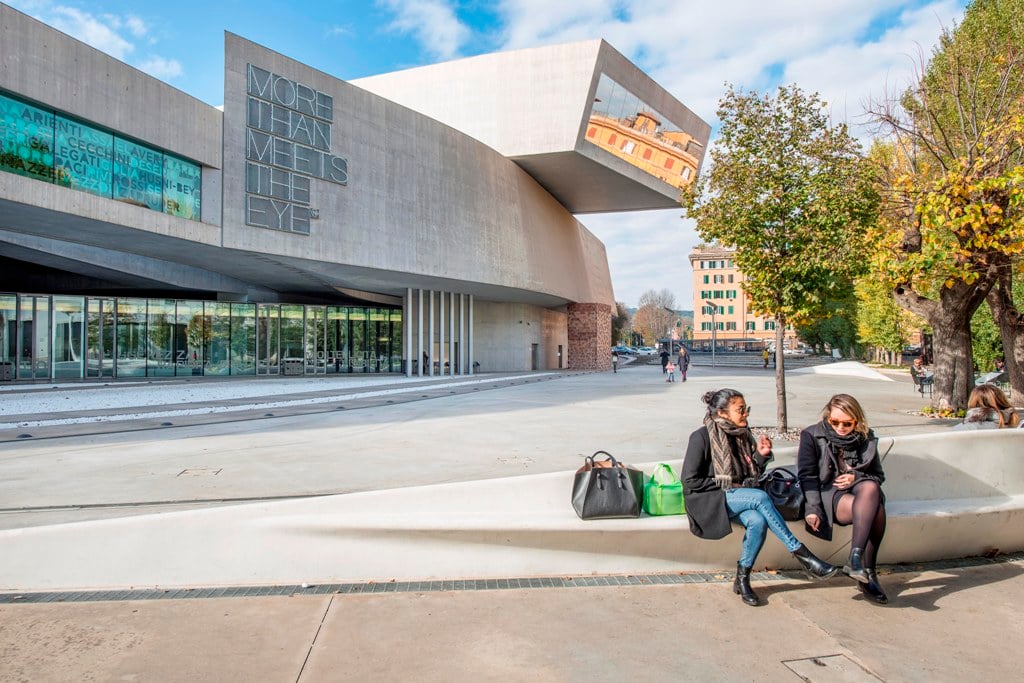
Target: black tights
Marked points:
862	506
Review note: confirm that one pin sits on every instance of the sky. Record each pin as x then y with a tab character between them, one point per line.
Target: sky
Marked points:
849	51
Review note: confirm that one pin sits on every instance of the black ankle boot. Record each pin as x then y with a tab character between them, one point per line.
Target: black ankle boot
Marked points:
854	568
741	586
814	567
872	589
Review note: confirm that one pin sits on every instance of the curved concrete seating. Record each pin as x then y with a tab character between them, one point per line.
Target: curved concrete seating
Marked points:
949	495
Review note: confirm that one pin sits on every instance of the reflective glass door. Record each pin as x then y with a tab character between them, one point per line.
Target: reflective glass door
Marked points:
100	338
34	337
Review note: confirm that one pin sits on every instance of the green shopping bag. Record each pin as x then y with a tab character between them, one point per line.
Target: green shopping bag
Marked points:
663	493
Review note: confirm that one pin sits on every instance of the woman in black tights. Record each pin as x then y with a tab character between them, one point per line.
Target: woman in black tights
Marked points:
841	474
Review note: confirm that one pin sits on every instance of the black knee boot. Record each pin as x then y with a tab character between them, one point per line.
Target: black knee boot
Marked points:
872	589
854	568
741	586
814	567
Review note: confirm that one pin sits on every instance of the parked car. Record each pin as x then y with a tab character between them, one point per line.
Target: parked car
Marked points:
623	350
646	351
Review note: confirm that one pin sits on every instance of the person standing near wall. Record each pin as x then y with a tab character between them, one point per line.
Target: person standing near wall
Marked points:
615	361
684	361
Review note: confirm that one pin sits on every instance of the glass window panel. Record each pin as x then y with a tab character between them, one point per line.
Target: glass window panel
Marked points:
243	339
316	330
131	337
217	351
396	340
337	340
160	338
8	335
26	139
292	338
83	157
183	184
68	337
268	336
138	175
358	352
100	338
191	336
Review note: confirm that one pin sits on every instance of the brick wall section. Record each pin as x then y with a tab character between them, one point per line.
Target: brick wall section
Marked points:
590	334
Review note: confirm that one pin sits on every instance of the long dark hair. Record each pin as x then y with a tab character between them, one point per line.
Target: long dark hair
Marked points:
719	400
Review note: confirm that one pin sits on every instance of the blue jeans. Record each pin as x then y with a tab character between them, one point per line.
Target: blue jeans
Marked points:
754	510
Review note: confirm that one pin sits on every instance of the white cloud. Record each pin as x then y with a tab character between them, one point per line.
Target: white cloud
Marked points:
337	30
90	29
136	26
161	68
433	23
847	50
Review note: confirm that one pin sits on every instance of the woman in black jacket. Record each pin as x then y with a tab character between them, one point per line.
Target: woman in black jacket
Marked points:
841	474
720	472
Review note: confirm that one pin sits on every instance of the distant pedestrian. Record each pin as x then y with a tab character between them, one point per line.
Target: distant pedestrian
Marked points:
684	361
764	357
671	372
664	360
615	361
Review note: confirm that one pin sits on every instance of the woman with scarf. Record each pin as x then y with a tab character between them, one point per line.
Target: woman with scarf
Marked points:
720	472
841	475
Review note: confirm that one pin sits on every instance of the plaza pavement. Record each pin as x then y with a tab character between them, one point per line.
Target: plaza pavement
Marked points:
945	622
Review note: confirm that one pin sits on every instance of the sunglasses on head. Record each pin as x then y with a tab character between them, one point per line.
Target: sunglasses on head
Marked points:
845	424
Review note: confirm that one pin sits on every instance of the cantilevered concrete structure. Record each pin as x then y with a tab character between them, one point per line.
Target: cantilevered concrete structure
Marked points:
313	225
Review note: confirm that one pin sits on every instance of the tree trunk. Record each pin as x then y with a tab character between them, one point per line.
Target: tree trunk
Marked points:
950	317
780	373
1011	330
954	363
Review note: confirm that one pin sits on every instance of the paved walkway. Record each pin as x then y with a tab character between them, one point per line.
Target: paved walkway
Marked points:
946	622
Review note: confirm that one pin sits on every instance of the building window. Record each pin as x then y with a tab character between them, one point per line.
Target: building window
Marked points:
612	138
686	173
591	132
720	326
705	279
705	327
719	280
669	163
730	278
769	324
751	326
730	310
647	154
730	326
628	146
48	146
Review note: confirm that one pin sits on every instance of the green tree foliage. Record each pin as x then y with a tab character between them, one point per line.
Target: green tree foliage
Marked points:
620	323
789	190
882	324
836	329
952	184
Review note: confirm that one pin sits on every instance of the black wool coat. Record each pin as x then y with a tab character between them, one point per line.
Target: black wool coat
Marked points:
817	468
705	501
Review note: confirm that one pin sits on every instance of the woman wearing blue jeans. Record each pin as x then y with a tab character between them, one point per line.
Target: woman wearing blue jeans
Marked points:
720	472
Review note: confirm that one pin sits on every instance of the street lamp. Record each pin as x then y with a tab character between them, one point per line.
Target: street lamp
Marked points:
714	330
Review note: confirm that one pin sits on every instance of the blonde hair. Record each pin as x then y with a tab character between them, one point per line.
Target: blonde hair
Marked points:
849	405
992	397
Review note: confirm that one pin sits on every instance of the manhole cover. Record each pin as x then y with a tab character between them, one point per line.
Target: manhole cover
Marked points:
830	669
201	472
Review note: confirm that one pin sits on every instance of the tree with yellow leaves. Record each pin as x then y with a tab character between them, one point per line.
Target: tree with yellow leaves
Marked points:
952	187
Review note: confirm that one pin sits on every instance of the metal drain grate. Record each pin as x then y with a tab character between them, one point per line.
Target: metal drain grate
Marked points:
461	585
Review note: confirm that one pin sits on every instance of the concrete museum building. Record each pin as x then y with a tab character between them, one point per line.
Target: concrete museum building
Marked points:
420	222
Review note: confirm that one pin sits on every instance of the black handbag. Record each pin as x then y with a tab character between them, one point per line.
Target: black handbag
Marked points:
783	487
607	489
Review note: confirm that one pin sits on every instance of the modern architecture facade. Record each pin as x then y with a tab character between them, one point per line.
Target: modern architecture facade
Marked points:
311	225
721	308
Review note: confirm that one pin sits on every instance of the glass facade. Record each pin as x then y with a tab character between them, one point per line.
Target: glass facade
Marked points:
75	337
626	126
46	145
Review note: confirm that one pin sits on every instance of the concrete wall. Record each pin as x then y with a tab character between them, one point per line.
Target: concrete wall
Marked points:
422	199
504	335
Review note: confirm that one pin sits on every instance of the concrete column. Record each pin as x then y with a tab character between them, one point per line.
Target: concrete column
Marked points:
462	334
419	334
430	336
470	335
451	331
407	324
440	330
